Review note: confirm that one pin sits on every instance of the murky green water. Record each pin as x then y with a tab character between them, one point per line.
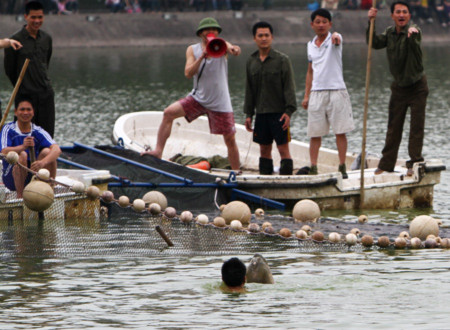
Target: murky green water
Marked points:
374	289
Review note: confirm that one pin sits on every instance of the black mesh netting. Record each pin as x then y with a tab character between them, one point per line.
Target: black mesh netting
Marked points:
134	234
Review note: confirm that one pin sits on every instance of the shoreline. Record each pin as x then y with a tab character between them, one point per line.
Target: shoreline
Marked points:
178	28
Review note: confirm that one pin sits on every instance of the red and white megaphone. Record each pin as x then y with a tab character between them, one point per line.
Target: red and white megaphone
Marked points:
215	47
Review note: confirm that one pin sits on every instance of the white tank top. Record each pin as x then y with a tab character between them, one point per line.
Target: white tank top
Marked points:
211	91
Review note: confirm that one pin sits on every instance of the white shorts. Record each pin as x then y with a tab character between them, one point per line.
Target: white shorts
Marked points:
330	107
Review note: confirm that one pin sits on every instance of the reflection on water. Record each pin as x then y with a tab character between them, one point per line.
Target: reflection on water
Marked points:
312	290
327	290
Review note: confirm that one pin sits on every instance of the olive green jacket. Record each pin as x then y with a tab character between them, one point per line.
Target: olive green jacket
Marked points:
270	86
404	54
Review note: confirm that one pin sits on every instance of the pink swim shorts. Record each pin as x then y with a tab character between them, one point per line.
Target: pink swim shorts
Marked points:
219	122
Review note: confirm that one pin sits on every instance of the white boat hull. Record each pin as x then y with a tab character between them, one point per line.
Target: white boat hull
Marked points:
138	131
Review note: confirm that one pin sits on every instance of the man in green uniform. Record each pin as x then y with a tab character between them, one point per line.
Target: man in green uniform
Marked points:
409	89
36	85
270	89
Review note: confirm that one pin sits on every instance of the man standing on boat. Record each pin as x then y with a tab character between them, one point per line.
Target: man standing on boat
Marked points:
409	89
22	136
326	97
36	85
270	89
210	95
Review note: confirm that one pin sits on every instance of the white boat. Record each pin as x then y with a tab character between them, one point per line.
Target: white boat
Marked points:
138	131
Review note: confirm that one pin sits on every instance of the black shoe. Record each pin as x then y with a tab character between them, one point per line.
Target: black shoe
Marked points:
343	170
265	166
303	171
286	166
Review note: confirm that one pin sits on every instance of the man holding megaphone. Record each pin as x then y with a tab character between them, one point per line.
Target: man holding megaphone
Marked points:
207	64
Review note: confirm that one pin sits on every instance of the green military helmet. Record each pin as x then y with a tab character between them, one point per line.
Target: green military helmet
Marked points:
208	22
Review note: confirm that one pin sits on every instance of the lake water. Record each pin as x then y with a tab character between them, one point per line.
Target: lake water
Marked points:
375	289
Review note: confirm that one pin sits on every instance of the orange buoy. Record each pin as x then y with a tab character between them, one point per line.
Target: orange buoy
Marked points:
202	165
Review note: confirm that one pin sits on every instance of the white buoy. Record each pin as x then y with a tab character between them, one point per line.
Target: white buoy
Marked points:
43	174
38	196
107	196
416	243
445	243
334	237
93	192
138	205
265	225
400	242
307	229
78	187
170	212
351	239
202	219
363	218
237	210
355	231
154	208
404	234
306	210
155	197
253	228
124	201
236	225
12	157
301	234
219	222
269	230
186	216
259	213
422	226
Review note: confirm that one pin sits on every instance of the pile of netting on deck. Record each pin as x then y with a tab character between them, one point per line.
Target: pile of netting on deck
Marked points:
127	233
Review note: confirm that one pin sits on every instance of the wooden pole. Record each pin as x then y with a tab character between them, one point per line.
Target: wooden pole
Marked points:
366	107
16	88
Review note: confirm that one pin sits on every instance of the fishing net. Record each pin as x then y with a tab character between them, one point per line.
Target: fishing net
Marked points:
127	233
76	226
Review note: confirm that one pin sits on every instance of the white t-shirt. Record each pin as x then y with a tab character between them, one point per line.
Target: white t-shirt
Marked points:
326	64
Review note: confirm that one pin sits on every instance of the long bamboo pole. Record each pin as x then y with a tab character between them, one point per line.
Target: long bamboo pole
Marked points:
366	108
15	90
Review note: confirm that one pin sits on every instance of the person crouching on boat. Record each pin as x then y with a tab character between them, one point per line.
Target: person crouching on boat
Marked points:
270	89
209	96
326	97
22	136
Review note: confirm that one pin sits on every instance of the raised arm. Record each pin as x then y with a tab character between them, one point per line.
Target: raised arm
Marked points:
192	64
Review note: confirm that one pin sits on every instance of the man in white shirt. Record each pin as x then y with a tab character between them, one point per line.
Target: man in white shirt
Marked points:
326	97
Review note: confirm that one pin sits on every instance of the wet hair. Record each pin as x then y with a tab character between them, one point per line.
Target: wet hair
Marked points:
233	272
403	3
33	5
320	12
23	99
261	25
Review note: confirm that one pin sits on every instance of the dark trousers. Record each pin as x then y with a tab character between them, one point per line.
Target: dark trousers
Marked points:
402	98
44	108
